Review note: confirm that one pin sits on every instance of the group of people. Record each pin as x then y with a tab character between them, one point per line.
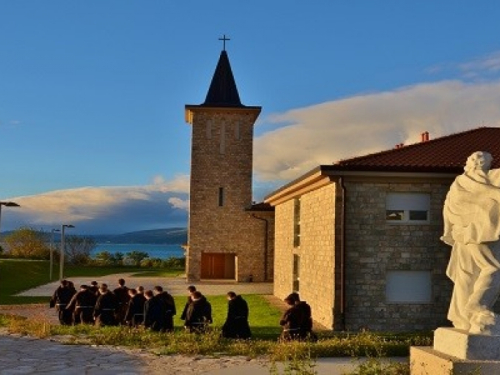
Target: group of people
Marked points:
97	304
155	309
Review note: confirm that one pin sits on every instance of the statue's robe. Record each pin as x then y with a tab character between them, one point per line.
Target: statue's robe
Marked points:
472	226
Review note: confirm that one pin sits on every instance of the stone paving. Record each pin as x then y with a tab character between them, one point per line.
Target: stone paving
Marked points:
26	355
174	285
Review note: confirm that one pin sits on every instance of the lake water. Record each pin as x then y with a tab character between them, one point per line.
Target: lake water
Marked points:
154	251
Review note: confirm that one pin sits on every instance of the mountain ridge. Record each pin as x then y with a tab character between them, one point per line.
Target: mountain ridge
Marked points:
165	236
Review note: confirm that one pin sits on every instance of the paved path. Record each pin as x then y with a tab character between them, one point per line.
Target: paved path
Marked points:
25	355
174	285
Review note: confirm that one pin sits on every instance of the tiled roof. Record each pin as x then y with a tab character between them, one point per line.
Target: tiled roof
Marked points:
223	91
444	154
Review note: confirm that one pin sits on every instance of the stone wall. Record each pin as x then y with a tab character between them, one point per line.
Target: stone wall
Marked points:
374	247
221	157
283	249
316	251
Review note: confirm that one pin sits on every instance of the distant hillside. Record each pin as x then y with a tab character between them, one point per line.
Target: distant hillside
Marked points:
170	236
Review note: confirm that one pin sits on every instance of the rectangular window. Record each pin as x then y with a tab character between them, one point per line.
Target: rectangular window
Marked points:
209	129
296	273
408	287
237	131
222	148
221	196
407	207
296	222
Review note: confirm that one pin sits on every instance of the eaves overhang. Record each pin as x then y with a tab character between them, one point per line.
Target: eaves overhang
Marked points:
192	109
325	174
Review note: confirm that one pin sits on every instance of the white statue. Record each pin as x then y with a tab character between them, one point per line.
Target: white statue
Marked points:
472	226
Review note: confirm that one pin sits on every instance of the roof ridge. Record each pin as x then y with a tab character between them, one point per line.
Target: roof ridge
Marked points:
413	145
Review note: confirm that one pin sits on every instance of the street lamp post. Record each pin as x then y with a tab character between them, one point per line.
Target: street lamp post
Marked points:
7	204
52	252
61	258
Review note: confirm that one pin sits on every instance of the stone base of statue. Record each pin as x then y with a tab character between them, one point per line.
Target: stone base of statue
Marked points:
457	352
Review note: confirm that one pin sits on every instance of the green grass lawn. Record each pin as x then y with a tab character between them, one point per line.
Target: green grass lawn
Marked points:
263	319
19	275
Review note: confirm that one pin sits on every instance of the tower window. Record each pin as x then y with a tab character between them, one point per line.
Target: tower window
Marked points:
222	149
221	196
237	134
209	129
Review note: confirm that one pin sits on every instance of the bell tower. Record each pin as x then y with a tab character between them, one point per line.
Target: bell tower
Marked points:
220	226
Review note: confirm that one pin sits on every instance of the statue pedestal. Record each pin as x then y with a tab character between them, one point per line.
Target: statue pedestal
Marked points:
457	352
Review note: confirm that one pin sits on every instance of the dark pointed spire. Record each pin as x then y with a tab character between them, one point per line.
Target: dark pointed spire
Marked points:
223	91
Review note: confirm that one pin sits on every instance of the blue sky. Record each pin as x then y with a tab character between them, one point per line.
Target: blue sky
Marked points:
92	94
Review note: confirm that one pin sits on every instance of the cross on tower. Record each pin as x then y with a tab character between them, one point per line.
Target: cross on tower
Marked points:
224	41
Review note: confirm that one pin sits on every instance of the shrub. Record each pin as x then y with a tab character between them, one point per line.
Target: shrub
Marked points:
104	258
27	243
117	259
146	263
173	262
137	257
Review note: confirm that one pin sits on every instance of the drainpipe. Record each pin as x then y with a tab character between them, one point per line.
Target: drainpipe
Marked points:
266	237
342	256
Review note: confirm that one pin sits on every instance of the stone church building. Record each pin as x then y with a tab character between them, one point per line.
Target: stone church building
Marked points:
229	237
358	239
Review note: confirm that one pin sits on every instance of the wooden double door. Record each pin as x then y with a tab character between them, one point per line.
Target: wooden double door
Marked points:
218	266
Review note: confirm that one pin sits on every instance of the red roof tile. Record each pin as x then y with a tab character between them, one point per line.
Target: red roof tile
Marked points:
445	154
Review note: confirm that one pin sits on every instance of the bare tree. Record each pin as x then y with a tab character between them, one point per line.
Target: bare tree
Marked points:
78	249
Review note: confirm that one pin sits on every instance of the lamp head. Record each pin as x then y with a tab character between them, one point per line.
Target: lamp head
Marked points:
9	204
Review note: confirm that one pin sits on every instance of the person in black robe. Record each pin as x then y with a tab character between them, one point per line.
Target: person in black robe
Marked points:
82	304
291	320
236	325
123	298
198	314
170	310
154	312
105	308
306	322
191	289
135	309
60	299
94	288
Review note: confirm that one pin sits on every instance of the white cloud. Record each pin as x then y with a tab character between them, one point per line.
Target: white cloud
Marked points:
182	204
487	64
104	209
327	132
180	184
